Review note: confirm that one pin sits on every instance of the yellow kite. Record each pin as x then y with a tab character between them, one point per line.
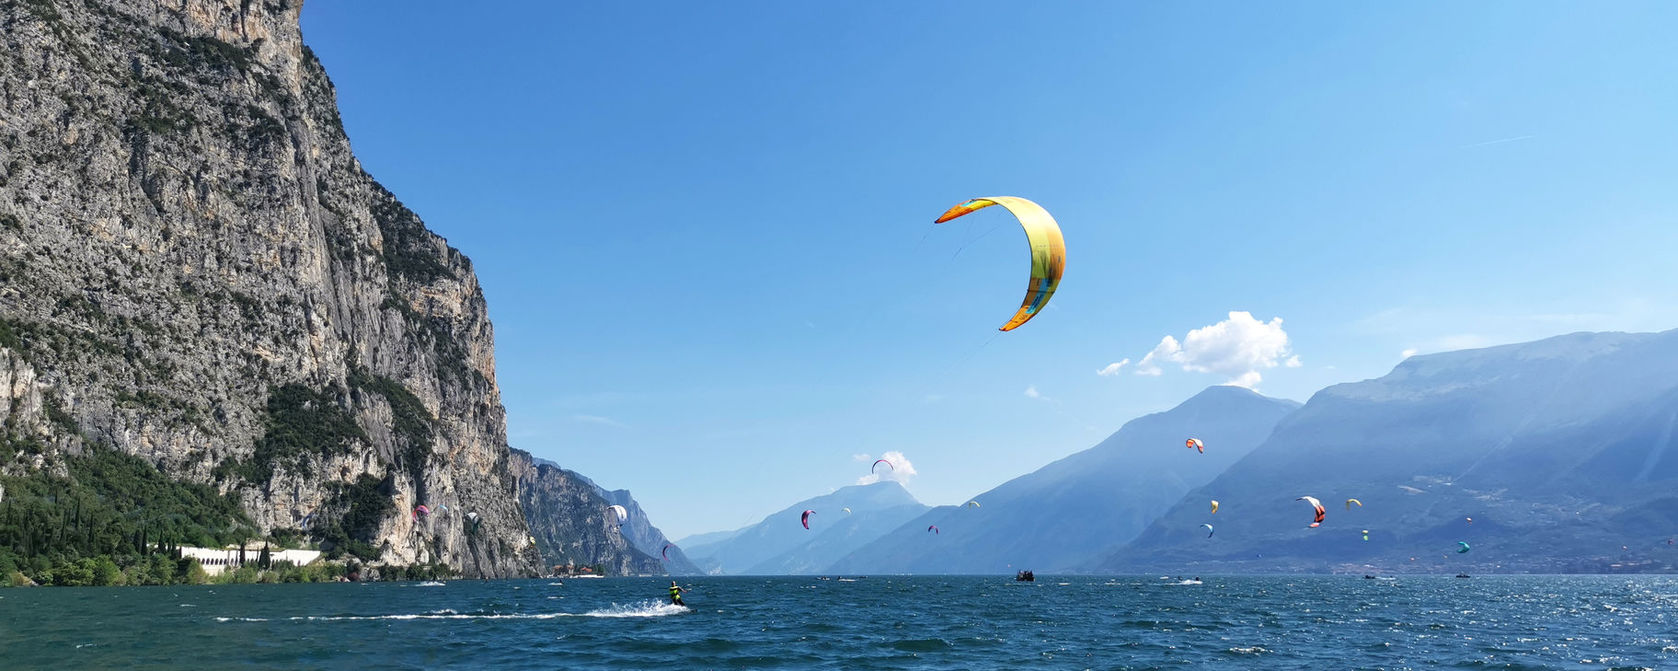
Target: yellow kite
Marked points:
1048	250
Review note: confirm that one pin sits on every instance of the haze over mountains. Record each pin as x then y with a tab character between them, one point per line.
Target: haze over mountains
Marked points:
1061	515
781	545
1561	451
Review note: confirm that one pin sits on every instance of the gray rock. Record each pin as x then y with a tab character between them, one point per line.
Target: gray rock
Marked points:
570	521
186	238
643	536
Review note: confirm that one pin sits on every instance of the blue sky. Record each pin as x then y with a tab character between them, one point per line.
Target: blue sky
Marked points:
704	229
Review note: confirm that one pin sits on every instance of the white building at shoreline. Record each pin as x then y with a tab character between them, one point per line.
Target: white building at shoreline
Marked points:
218	560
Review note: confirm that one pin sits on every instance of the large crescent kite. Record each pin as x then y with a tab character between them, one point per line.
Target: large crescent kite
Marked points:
1048	250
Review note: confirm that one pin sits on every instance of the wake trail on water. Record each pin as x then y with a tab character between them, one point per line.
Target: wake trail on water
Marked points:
639	609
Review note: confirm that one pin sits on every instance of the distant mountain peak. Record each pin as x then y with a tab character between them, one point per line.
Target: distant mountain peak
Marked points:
1224	392
1563	452
1594	368
1071	510
780	544
876	490
543	462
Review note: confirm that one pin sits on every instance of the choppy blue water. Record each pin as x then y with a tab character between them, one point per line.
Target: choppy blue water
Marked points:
1523	622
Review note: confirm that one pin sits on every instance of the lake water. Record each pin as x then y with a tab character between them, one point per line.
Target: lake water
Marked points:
1527	622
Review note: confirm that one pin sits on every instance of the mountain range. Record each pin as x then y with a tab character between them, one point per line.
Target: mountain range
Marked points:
779	544
1546	456
1550	456
1059	516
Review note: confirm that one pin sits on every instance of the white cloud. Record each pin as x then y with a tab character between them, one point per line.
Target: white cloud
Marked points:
863	457
900	471
1113	368
1166	349
1488	143
1237	348
1248	379
1449	343
597	419
1464	341
1031	392
1429	330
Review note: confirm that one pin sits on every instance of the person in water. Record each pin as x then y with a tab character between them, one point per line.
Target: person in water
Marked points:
676	594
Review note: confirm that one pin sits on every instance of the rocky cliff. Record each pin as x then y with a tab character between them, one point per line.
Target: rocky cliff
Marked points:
643	536
194	269
570	522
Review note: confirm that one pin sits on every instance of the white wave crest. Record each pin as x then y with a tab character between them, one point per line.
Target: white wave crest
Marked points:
638	609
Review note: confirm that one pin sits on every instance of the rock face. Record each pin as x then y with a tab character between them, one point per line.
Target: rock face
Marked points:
195	269
1068	512
570	521
643	536
1558	455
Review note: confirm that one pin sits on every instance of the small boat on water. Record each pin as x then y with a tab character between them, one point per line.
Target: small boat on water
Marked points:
1462	575
1025	576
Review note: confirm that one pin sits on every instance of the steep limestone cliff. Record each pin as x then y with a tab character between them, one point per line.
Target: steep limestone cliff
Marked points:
643	536
569	520
638	530
195	269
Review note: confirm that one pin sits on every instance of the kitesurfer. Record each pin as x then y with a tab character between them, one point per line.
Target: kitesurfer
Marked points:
676	594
